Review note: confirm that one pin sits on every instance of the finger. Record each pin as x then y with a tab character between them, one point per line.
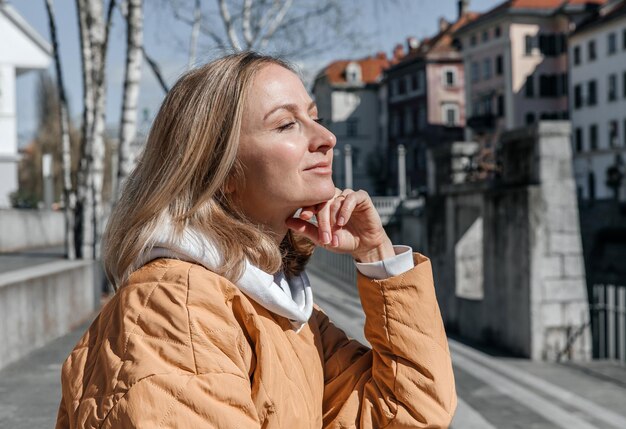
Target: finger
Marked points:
347	208
323	223
304	228
335	206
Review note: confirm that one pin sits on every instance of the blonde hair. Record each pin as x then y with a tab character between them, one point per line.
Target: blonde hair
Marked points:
190	156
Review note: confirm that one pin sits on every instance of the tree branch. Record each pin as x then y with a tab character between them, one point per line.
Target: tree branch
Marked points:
228	24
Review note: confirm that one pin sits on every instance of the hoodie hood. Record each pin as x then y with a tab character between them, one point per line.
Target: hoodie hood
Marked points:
291	298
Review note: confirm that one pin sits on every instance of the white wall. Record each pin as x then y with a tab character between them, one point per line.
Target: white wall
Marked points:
597	161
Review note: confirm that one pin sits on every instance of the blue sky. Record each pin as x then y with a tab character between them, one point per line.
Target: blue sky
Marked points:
387	22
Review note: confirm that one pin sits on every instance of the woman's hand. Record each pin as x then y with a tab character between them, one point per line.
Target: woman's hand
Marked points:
347	223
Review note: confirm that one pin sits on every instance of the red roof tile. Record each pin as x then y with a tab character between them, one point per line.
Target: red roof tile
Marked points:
371	69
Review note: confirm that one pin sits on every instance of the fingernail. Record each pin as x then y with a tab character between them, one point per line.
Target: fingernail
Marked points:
341	221
335	240
326	237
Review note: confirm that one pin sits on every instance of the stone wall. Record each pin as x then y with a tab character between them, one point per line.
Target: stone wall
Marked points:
507	254
28	229
41	303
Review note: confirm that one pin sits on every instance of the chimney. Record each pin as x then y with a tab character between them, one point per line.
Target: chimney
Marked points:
381	55
462	5
411	44
398	52
443	24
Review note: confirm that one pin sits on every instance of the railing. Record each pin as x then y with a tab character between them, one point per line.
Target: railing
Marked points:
338	266
608	322
386	207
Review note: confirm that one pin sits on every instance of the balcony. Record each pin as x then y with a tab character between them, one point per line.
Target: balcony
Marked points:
482	123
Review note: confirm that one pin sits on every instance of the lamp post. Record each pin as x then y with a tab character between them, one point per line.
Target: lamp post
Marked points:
347	150
401	172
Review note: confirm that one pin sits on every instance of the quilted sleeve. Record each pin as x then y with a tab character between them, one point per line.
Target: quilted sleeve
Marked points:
214	400
406	379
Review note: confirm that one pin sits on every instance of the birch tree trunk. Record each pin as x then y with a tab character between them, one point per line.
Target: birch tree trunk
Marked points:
68	191
94	31
132	80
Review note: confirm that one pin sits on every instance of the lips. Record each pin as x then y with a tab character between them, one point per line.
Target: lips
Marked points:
319	165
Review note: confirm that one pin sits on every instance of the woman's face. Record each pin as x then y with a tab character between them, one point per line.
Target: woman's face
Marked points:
285	153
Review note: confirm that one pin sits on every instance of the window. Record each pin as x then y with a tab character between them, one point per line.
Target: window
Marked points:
409	83
624	133
473	40
578	96
592	98
529	44
591	183
401	86
485	36
591	50
576	55
611	43
421	118
353	73
395	125
352	127
530	86
499	65
475	72
578	142
450	77
624	84
420	81
564	84
394	87
408	121
450	114
497	32
548	85
624	39
414	82
530	118
593	137
612	88
613	137
487	68
500	102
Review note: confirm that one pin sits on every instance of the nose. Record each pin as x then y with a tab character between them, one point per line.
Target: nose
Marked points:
321	139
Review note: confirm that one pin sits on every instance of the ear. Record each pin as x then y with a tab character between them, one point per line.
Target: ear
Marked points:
229	186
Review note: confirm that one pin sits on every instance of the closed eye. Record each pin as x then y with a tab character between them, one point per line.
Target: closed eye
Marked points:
286	126
319	121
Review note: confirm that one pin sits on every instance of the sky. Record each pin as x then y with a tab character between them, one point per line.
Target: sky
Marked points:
383	22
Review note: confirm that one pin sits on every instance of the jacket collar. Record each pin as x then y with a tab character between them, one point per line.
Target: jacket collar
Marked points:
292	298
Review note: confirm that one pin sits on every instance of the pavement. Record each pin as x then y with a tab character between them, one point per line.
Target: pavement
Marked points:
494	391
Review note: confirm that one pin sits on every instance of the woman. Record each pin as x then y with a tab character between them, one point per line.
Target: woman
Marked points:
213	323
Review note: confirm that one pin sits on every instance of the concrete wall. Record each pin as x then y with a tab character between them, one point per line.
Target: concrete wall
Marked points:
29	229
507	255
41	303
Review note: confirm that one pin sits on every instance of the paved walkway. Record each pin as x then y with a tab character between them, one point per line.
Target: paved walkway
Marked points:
28	258
503	392
494	391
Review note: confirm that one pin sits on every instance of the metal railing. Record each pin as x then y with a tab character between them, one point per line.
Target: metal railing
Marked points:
608	322
338	266
386	207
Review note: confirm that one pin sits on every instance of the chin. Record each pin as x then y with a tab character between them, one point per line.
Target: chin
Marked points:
318	194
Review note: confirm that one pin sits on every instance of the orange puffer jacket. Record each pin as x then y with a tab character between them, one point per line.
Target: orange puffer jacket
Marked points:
179	346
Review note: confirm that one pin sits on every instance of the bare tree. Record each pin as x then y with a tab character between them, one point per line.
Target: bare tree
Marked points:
132	79
284	27
68	189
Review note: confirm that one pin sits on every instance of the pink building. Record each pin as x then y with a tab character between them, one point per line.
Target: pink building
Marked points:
425	98
515	57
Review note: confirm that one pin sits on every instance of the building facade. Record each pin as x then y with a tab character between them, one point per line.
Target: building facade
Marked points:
425	100
22	49
597	50
347	96
515	58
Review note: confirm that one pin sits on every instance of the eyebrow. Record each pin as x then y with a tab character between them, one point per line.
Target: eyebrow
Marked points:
293	108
